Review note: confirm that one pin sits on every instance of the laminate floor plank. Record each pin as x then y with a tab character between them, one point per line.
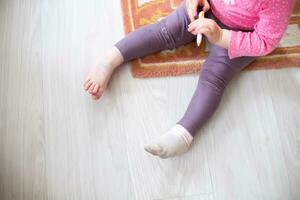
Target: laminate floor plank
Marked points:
22	138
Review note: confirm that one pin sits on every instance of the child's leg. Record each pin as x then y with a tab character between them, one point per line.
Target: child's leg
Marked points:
216	73
169	33
218	70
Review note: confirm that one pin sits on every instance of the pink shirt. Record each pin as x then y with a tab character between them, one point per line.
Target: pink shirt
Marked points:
267	20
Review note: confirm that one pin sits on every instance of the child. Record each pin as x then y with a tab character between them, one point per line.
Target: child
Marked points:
239	31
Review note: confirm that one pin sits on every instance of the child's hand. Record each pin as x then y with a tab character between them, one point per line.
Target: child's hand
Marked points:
208	27
192	6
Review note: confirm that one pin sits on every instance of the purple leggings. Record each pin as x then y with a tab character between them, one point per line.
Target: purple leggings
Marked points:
216	72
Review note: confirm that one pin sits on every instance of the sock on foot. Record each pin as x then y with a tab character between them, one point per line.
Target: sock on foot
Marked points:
175	142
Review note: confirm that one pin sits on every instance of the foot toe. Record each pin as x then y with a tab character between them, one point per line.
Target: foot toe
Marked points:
88	84
96	88
86	81
97	95
91	88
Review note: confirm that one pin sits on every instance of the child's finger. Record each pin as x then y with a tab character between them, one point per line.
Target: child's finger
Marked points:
189	11
195	10
195	24
197	21
204	31
205	23
198	30
206	6
192	28
192	25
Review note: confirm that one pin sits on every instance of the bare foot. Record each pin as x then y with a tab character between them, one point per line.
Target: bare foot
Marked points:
97	80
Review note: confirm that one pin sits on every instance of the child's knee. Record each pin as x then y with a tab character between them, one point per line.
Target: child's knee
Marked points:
161	34
217	78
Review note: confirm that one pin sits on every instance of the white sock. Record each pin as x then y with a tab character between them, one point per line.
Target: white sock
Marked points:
175	142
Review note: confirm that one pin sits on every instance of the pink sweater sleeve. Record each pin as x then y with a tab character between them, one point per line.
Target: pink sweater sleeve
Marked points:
268	31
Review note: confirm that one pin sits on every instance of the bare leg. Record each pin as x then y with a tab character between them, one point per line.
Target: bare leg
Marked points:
99	76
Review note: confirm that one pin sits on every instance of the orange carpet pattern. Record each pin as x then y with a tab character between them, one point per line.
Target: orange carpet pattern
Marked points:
189	58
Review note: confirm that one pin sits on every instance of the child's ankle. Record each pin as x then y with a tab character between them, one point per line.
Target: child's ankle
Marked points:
112	60
105	65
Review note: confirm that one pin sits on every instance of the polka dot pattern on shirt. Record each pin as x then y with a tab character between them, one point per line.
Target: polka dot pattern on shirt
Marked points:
267	19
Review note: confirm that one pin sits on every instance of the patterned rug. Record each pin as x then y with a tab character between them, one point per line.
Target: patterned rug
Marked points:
189	58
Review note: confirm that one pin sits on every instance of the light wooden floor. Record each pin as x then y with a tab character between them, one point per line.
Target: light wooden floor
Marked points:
55	143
